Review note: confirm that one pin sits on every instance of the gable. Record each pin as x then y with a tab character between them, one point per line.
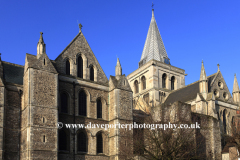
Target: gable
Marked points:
44	63
122	83
220	89
80	47
31	61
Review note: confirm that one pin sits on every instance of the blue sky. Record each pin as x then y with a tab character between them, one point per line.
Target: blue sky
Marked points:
191	30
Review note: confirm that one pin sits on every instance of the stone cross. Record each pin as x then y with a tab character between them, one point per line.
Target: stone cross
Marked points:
218	66
80	27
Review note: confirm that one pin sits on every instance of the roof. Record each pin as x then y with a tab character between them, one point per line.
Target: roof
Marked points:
154	47
186	93
13	73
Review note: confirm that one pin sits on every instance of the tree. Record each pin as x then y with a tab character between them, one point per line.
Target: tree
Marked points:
164	144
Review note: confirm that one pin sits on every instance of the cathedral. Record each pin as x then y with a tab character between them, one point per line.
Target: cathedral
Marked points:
73	89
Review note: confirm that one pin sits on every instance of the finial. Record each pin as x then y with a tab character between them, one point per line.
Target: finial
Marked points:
202	60
80	27
41	33
234	74
218	67
152	6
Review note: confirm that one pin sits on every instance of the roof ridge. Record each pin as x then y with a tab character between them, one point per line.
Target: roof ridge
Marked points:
190	84
17	65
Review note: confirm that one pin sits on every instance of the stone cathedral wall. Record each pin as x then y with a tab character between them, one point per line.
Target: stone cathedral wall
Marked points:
12	120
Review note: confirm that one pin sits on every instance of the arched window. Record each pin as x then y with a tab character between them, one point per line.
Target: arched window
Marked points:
64	103
82	102
80	67
224	121
99	143
164	78
99	108
143	83
136	86
62	140
91	73
172	82
82	142
67	67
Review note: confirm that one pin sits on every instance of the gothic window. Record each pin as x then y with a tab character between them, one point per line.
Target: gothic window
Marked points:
91	73
172	82
82	142
136	86
143	83
82	102
80	67
99	143
99	108
44	138
64	103
164	78
62	140
67	67
224	120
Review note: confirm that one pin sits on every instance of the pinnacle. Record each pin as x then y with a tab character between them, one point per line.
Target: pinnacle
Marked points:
203	73
41	38
235	85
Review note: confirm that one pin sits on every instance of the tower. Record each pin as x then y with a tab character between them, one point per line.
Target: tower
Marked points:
156	77
120	112
39	108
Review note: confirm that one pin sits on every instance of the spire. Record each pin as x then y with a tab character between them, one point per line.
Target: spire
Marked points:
203	73
154	47
235	85
41	46
118	69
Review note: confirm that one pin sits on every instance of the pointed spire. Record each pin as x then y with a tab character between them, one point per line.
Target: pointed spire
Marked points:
118	69
235	85
203	73
41	46
154	47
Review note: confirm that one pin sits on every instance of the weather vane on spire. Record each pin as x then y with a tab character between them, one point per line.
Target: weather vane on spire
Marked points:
152	5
